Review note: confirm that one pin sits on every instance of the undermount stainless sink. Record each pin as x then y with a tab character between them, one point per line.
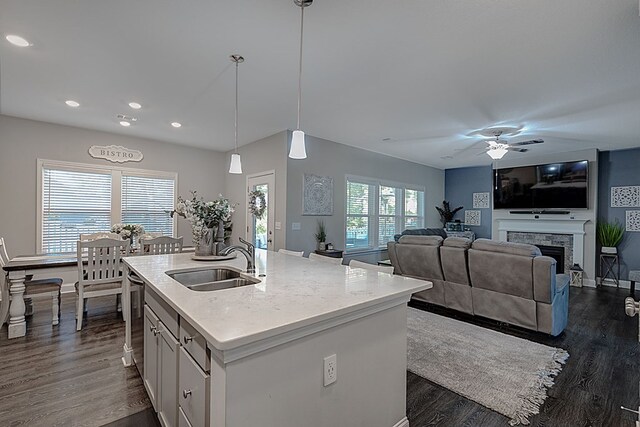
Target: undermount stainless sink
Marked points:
210	279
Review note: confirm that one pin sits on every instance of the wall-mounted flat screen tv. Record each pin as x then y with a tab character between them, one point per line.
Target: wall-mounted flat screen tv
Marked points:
551	186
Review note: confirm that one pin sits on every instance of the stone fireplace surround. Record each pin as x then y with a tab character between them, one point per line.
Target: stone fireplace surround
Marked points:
546	239
566	232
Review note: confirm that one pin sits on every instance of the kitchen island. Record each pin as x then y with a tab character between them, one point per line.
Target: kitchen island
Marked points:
310	344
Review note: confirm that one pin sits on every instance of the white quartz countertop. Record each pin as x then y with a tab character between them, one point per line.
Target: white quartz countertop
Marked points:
293	293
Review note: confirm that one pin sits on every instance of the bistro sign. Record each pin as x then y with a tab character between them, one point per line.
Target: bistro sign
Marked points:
115	153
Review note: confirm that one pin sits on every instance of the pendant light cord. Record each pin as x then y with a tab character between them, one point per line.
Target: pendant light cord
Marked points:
236	131
300	68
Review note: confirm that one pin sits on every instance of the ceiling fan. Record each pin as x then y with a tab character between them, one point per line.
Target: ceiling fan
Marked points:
499	147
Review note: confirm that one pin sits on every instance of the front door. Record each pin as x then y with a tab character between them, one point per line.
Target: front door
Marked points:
260	230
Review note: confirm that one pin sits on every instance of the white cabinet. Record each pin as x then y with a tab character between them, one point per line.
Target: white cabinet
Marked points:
161	349
169	349
151	355
194	391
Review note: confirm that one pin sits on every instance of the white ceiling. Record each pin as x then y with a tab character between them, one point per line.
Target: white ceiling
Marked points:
569	71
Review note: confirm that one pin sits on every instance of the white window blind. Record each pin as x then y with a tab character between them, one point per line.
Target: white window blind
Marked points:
73	203
358	222
147	201
376	211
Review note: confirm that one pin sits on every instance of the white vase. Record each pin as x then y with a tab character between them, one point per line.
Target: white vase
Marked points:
611	250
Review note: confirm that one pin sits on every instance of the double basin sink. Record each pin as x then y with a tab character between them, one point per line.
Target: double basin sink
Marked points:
210	279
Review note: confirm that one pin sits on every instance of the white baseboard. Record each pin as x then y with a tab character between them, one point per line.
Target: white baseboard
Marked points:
402	423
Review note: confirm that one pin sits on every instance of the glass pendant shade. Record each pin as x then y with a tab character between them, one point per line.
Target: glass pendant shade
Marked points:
236	164
297	150
498	151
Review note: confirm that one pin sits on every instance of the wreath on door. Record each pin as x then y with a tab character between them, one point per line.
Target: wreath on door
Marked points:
257	203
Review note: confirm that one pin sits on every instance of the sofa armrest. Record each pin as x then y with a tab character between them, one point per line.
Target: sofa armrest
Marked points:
562	281
544	279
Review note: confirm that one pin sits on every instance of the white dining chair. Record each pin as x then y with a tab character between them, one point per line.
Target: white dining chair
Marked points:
102	274
325	259
100	235
160	245
292	253
382	268
47	287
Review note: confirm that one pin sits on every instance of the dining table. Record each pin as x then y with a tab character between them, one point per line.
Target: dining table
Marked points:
17	270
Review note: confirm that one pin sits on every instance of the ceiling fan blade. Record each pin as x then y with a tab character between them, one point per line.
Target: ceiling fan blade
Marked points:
519	150
529	142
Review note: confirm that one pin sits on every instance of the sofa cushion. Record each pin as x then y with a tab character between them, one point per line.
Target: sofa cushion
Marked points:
511	248
419	260
422	232
457	242
501	272
421	240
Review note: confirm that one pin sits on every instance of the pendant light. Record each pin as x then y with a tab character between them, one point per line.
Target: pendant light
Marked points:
298	150
236	165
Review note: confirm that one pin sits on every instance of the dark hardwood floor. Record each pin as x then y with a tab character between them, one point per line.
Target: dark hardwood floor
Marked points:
602	372
57	377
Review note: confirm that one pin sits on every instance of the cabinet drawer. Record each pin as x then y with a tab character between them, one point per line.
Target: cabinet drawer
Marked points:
193	391
182	419
195	344
165	313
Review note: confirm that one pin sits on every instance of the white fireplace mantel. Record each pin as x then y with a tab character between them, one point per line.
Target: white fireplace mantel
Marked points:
574	227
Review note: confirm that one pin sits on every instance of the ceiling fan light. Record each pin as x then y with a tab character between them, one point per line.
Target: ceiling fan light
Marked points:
298	150
236	164
497	151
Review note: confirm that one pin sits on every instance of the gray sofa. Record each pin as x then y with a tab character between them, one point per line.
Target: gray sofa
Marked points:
509	282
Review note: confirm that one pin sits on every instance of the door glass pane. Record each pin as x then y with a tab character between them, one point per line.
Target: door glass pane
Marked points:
260	226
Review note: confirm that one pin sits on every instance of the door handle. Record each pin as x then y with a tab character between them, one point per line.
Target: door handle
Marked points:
186	393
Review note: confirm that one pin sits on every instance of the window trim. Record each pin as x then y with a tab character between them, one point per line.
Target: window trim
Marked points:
116	187
374	219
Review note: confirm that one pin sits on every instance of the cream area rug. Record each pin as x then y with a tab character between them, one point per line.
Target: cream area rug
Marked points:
506	374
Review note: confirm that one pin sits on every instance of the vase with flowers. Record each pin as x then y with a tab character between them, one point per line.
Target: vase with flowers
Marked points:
207	219
128	231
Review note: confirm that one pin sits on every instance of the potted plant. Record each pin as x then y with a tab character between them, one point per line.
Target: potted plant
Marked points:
609	236
446	214
321	235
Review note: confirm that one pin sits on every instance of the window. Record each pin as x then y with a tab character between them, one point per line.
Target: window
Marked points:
376	211
76	199
146	201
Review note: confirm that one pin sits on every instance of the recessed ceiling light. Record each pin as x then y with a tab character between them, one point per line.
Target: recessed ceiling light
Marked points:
125	123
176	125
72	103
135	105
17	40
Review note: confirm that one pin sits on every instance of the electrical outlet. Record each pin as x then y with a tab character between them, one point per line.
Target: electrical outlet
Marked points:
330	370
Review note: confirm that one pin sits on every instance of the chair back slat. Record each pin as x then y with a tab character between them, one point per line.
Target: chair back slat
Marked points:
160	245
104	258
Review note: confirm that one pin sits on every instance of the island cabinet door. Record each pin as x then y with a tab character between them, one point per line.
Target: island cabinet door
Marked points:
168	378
151	355
193	391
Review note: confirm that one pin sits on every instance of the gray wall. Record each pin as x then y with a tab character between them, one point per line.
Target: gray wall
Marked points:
620	168
329	158
460	184
263	155
23	141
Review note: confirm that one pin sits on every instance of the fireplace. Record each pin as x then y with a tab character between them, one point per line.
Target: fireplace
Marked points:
555	252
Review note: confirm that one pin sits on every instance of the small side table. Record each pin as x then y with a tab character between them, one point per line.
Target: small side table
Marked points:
330	253
610	268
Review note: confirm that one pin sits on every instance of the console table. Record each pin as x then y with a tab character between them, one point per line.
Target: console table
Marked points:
333	253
